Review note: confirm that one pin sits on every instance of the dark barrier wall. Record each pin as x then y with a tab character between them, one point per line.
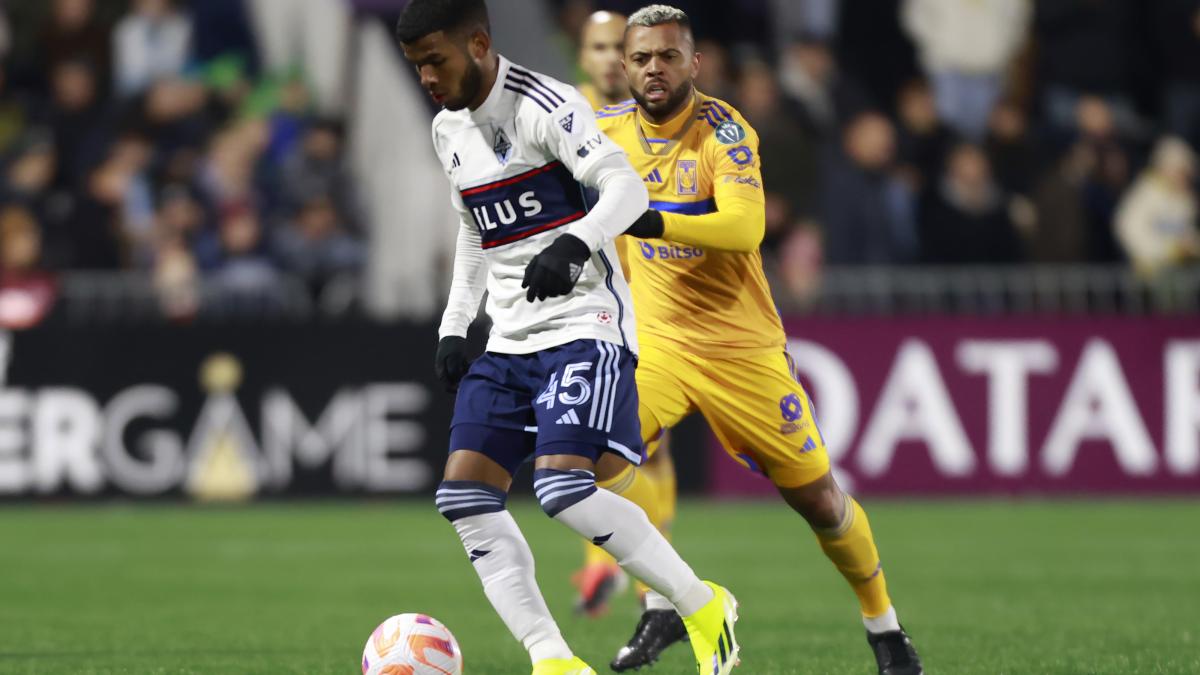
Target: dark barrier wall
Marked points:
968	405
907	406
220	412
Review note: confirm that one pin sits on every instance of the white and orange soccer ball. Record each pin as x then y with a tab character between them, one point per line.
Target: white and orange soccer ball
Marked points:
412	644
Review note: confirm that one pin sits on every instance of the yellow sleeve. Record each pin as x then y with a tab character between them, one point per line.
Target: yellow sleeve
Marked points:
740	220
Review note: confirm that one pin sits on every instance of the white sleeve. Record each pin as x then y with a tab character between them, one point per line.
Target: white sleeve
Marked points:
571	135
623	199
469	279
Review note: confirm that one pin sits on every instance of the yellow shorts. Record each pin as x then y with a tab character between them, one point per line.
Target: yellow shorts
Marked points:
754	404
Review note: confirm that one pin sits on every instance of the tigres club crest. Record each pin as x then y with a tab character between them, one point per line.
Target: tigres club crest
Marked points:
685	177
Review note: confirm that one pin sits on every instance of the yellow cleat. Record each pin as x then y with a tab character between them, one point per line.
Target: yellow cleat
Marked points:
573	666
711	633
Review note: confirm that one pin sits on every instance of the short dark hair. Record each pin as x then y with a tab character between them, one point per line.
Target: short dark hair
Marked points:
422	17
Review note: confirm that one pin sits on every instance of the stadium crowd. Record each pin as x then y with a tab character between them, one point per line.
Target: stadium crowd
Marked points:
145	136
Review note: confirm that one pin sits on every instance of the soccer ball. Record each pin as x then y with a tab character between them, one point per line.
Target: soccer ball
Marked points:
412	644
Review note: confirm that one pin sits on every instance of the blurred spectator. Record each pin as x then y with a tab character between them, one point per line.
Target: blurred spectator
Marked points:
27	293
1061	233
1087	47
789	156
315	167
237	256
13	112
1156	222
823	96
75	116
716	76
152	42
873	49
1177	34
221	29
813	18
600	56
868	212
964	216
312	37
966	47
177	280
1105	160
29	180
136	217
74	31
923	139
1011	150
801	263
315	246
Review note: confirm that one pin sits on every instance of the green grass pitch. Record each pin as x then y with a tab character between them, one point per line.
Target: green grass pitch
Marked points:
985	587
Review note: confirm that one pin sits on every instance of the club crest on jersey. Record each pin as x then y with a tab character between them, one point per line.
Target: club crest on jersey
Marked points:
730	132
568	123
686	182
502	147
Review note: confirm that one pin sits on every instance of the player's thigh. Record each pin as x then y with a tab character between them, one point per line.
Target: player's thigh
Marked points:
662	393
588	402
492	431
765	420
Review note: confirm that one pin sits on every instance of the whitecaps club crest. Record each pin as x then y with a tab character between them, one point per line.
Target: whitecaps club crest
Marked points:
502	147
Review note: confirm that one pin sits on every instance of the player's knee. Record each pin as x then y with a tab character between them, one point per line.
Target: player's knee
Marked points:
462	498
558	490
821	503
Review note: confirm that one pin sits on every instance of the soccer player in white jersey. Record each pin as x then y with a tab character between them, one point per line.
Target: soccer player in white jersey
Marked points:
557	380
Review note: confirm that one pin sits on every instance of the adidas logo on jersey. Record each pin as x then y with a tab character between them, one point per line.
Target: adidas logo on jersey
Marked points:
653	177
568	418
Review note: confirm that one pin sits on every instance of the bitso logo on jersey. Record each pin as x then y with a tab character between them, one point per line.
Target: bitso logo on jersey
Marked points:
730	132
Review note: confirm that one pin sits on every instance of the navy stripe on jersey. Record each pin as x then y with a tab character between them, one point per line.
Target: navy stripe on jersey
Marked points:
687	208
622	104
537	84
522	206
721	112
590	197
709	117
528	94
618	113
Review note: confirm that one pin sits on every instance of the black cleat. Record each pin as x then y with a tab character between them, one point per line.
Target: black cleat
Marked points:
657	630
895	653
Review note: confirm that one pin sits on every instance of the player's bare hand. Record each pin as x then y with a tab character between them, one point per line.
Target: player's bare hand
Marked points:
554	271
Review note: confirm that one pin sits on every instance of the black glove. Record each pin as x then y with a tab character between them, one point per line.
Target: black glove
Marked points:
649	225
451	362
554	271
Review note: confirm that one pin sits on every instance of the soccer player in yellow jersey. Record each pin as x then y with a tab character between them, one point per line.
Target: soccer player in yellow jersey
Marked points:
601	50
711	339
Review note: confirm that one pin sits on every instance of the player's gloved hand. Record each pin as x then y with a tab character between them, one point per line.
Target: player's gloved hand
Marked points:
451	362
649	225
554	271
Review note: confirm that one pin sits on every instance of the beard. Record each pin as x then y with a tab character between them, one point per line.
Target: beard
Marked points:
661	111
472	81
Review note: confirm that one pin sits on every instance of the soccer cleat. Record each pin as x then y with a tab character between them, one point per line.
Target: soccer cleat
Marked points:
572	666
598	583
711	633
895	653
657	630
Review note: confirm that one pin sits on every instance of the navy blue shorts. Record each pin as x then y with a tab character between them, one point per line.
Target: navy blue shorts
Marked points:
575	399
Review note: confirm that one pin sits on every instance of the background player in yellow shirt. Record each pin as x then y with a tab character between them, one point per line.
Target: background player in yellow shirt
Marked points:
711	339
601	50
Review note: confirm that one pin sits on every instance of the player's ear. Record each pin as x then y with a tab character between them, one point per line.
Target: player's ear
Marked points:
479	43
695	63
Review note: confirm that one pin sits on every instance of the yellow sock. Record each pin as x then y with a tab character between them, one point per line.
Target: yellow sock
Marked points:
851	548
636	486
661	470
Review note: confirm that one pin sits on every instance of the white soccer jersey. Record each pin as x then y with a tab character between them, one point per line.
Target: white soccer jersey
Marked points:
518	168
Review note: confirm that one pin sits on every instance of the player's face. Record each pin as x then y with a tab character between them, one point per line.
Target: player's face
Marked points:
448	68
661	62
600	57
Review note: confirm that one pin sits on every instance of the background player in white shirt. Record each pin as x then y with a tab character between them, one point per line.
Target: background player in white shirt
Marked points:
557	380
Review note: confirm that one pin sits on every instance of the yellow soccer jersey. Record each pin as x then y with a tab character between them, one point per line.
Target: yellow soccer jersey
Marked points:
705	288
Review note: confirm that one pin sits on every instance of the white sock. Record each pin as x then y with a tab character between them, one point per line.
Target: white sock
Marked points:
621	528
884	623
655	600
502	558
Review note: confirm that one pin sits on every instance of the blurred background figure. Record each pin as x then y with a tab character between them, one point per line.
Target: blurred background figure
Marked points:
601	44
1156	221
966	48
27	292
965	215
152	42
867	210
